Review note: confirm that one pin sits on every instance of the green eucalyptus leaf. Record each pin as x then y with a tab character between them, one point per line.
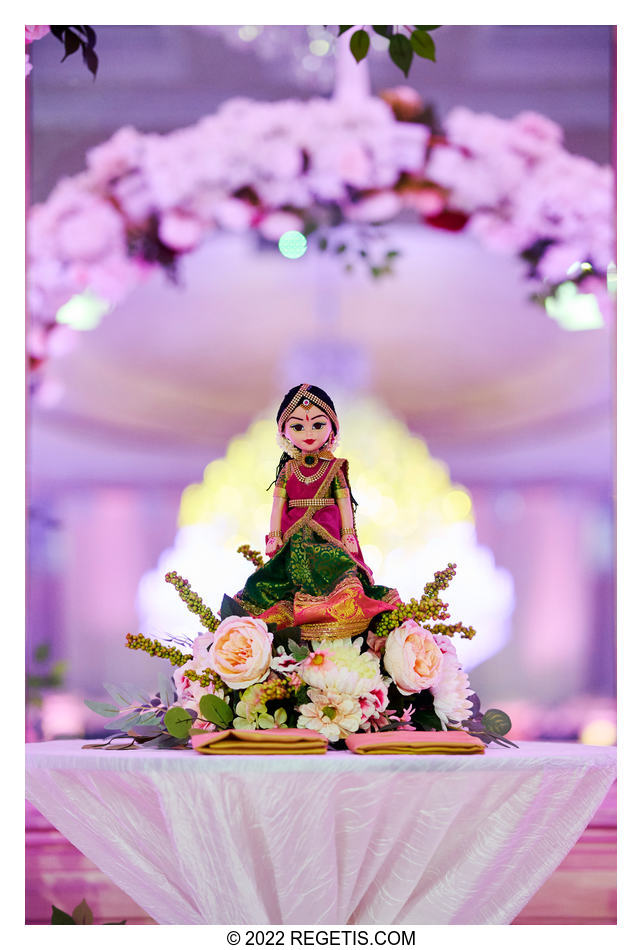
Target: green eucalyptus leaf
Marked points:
359	45
423	45
425	27
126	694
401	52
215	710
103	709
386	31
497	722
178	722
166	689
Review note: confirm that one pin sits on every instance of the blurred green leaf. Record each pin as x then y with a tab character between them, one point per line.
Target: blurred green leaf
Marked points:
423	44
359	45
401	52
41	653
82	913
58	916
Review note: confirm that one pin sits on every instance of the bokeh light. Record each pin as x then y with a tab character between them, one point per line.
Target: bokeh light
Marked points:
249	33
574	310
83	311
293	244
599	732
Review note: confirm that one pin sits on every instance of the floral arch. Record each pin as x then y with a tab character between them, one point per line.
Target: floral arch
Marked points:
332	171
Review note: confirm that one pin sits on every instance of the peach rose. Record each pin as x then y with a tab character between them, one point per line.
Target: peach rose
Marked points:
412	658
241	651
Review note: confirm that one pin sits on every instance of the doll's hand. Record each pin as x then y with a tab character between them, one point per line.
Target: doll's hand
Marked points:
272	546
350	543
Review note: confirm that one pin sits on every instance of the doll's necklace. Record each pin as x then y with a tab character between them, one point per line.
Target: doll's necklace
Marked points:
308	479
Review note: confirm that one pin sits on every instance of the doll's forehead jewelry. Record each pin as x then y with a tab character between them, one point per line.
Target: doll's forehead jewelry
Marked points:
306	402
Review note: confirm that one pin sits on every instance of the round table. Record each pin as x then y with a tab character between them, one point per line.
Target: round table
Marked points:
323	839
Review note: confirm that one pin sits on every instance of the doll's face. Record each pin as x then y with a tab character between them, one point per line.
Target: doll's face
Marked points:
308	429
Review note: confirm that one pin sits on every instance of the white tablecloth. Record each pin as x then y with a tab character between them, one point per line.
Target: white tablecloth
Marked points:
323	839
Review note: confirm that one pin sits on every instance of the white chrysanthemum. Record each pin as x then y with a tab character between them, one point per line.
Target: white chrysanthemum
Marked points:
331	713
340	665
452	690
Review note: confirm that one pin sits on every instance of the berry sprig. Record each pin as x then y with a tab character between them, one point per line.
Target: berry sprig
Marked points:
193	602
137	641
251	555
429	607
205	678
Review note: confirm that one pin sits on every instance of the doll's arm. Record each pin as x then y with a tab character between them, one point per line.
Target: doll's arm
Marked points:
348	536
274	540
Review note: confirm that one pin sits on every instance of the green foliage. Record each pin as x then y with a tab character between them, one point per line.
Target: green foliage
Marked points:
178	722
401	47
60	917
103	709
216	710
75	38
359	45
298	650
231	608
497	722
401	52
82	914
423	44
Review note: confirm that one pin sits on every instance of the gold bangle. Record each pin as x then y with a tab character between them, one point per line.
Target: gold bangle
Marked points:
347	532
275	534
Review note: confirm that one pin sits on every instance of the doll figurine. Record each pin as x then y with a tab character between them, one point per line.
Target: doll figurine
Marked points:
316	577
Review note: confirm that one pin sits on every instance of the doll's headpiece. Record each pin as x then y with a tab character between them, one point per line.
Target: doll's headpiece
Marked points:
303	397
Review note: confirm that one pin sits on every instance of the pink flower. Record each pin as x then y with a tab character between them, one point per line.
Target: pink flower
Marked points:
373	704
35	33
412	658
28	64
377	207
404	719
452	690
241	651
182	232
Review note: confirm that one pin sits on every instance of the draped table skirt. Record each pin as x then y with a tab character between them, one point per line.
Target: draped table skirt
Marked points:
323	839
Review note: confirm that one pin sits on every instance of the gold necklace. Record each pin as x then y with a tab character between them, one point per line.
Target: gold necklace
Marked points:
308	479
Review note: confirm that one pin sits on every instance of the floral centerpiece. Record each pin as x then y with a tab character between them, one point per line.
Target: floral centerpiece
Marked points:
243	673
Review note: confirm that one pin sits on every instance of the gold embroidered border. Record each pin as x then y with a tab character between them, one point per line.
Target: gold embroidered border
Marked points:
280	492
339	630
310	599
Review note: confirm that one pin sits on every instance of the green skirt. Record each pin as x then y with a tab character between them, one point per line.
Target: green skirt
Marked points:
305	564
